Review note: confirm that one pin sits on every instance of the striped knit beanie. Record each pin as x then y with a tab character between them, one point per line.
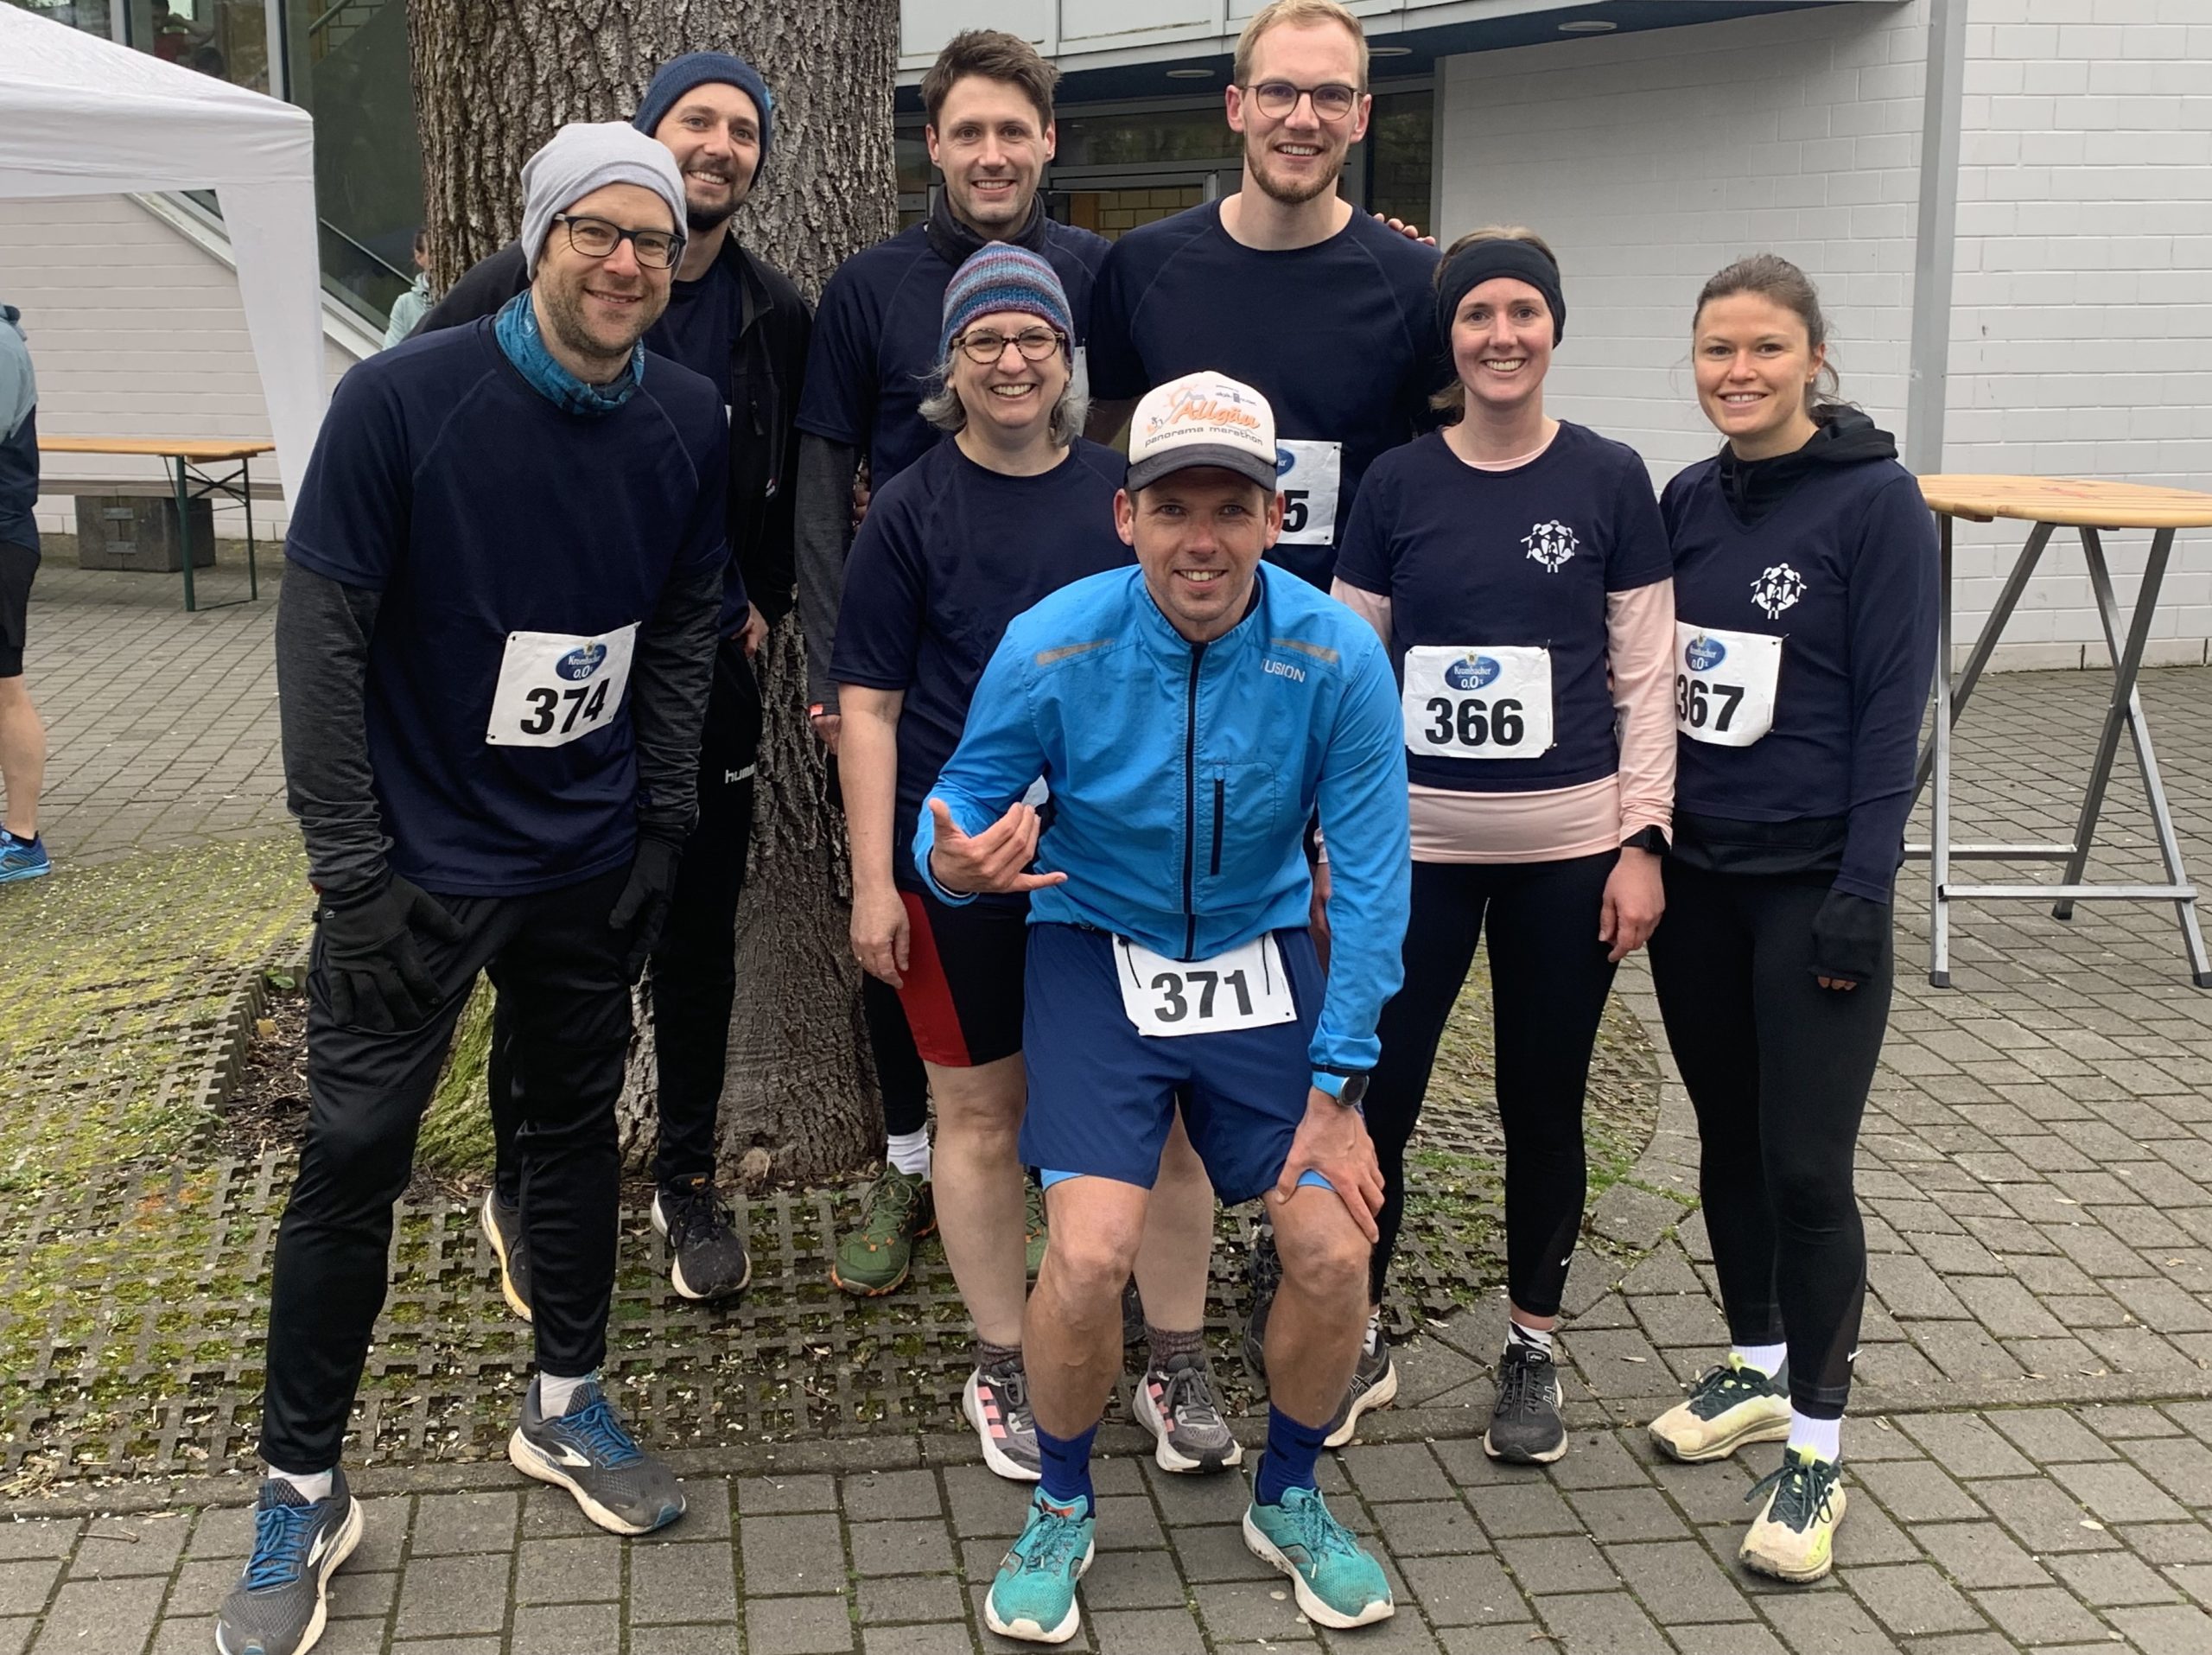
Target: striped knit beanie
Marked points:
1002	276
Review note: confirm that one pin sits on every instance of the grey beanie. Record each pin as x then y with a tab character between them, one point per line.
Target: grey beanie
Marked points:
586	155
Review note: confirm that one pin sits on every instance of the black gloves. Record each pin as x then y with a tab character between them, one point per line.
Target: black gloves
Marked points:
644	902
1848	935
376	974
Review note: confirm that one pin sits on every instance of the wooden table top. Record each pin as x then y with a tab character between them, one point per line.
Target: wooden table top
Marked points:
194	448
2070	502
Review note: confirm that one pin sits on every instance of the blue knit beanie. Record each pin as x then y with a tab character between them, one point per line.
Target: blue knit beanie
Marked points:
681	74
997	276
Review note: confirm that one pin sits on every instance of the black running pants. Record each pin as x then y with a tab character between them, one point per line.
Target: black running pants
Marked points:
1549	978
558	967
1778	1069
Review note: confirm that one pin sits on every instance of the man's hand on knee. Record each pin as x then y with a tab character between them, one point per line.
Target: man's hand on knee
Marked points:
1332	1141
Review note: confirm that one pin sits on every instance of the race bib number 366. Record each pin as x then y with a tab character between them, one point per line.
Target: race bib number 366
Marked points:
1245	988
1308	474
555	687
1478	701
1724	684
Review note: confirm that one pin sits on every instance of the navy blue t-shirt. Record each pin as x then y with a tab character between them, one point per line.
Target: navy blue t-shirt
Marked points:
479	509
1522	558
1339	337
699	329
876	342
949	554
1845	571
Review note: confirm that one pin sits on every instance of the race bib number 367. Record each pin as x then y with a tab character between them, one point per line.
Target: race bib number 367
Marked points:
1478	701
1245	988
555	687
1724	684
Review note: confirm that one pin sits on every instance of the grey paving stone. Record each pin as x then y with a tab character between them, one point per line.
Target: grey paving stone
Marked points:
450	1524
794	1555
1610	1621
450	1597
797	1626
1965	1445
26	1584
2044	1517
1824	1623
1134	1580
914	1546
546	1512
114	1547
1146	1631
1557	1563
1614	1514
582	1570
898	1599
1911	1600
2176	1629
2106	1580
940	1639
1915	1491
1599	1459
1678	1583
2170	1543
769	1496
1978	1554
355	1594
1217	1551
1465	1591
2177	1464
1429	1529
706	1509
41	1537
567	1629
690	1582
893	1494
1871	1535
1510	1511
1127	1521
2039	1614
982	1503
200	1586
1397	1471
2118	1494
101	1614
1197	1499
446	1646
1251	1611
219	1531
681	1640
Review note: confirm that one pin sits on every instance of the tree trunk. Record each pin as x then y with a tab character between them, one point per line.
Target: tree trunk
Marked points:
492	83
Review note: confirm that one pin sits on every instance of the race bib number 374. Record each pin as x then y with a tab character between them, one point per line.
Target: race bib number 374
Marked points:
555	687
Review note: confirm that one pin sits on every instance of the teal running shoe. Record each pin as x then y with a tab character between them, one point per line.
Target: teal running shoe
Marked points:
1032	1595
1336	1583
22	858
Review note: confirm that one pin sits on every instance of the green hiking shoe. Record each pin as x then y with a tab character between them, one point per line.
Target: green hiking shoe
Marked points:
1338	1584
874	1258
1033	1214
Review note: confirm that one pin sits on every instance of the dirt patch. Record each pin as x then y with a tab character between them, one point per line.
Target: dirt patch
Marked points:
268	1109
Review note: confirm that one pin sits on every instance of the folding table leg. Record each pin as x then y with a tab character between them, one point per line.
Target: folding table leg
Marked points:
1939	837
184	533
245	494
1962	690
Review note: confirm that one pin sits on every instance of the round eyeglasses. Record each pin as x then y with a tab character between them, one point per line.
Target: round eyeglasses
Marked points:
597	239
1332	101
985	348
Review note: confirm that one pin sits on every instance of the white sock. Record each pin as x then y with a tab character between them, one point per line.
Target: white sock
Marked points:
910	1152
1538	1339
1767	1358
1823	1437
556	1396
310	1488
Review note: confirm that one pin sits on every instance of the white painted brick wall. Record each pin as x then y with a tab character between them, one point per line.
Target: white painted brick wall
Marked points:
135	331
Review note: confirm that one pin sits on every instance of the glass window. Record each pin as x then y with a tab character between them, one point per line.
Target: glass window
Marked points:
91	16
1401	156
1146	138
228	39
348	64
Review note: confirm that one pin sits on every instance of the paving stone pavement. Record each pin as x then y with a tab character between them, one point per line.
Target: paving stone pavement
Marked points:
2030	1456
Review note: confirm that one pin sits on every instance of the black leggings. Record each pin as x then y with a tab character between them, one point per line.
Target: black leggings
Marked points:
1778	1069
1549	977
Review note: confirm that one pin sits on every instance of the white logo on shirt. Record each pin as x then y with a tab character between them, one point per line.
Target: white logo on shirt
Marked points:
1777	590
1551	544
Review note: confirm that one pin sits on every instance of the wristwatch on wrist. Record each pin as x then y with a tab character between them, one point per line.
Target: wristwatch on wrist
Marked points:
1648	838
1350	1090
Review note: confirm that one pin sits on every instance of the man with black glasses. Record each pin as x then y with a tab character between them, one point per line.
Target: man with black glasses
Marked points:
492	650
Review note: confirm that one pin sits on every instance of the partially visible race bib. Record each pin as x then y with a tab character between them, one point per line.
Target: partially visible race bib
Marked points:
1245	988
1478	701
1724	684
555	687
1308	474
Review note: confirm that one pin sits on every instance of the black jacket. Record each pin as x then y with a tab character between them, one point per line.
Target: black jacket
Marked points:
767	369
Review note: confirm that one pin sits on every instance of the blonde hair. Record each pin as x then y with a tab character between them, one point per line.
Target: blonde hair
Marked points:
1297	14
1453	399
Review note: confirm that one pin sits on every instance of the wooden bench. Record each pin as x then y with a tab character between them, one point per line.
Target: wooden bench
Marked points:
185	458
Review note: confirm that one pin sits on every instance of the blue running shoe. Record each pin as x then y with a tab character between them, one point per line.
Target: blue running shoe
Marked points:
1336	1583
22	858
1032	1595
278	1606
586	1451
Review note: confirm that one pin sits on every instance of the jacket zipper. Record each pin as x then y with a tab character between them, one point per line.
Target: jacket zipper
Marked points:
1190	804
1220	788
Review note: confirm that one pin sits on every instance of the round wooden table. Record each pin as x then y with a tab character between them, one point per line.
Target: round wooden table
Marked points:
2089	506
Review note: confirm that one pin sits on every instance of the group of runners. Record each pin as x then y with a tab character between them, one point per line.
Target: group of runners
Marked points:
1183	781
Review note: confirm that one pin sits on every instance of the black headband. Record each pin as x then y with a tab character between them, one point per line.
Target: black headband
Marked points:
1479	261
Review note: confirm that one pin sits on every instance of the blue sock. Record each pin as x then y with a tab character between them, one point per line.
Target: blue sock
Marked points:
1066	1467
1292	1449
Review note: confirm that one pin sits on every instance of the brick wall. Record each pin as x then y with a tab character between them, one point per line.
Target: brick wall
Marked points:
135	331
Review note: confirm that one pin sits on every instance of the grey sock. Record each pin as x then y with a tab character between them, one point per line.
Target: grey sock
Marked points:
1165	1344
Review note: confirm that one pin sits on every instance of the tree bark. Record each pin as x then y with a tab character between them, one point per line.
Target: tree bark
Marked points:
492	83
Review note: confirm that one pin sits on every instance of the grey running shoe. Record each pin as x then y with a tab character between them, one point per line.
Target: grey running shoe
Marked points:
706	1255
1263	1272
1374	1383
1176	1403
502	1229
278	1606
586	1451
1732	1404
996	1402
1524	1423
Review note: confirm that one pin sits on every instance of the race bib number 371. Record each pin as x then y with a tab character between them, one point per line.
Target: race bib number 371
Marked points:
555	687
1724	684
1245	988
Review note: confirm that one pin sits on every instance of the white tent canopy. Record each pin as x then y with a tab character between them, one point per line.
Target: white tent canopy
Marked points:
83	116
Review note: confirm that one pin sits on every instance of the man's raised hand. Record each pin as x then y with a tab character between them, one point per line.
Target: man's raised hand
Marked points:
997	859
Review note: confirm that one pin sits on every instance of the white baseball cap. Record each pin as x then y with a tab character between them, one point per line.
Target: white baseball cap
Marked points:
1203	419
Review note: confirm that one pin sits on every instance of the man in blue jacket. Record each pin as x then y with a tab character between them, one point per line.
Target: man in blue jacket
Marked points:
1189	717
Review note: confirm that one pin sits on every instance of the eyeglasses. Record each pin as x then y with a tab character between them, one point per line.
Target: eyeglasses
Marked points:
1035	344
597	239
1277	98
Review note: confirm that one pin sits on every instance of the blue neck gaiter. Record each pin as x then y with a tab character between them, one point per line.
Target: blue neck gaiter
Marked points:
516	329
